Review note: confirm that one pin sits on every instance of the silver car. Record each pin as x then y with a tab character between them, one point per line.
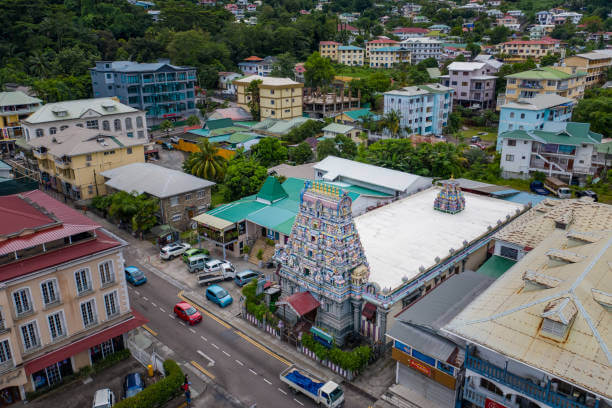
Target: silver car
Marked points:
173	250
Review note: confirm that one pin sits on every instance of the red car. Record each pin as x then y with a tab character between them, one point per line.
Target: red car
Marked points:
188	313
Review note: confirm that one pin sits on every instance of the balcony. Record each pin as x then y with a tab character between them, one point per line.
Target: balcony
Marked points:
527	387
530	85
39	155
8	365
478	396
62	164
562	87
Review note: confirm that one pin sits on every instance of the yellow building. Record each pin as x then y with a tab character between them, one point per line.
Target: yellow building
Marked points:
71	160
329	49
14	107
563	81
520	50
595	63
64	302
379	43
343	54
279	98
387	57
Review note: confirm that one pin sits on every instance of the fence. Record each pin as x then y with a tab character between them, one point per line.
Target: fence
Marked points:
274	331
145	358
349	375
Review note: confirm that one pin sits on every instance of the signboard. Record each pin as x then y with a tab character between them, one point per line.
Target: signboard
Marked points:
169	115
424	369
489	403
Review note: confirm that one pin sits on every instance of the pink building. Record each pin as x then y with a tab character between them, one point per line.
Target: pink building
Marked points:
473	82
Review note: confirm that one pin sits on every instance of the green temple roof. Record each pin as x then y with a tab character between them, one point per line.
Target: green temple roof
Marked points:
272	190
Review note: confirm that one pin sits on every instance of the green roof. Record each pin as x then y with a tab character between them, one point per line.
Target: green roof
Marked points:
219	139
433	73
433	90
200	132
240	137
225	131
272	190
495	266
285	227
358	113
605	147
17	98
246	124
237	210
566	133
213	124
545	73
271	216
338	128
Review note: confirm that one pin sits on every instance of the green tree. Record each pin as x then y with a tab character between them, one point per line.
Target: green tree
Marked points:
307	129
346	146
284	66
499	34
301	154
252	92
269	152
193	120
145	217
327	147
391	122
596	110
454	122
473	48
166	126
122	207
319	71
243	177
206	163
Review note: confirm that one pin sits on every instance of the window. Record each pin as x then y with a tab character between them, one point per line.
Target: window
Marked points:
507	252
522	116
56	325
511	142
107	274
139	122
272	102
110	304
23	302
79	125
63	127
174	201
141	134
509	157
88	313
129	150
5	352
510	126
128	123
130	134
83	283
176	217
464	84
106	125
49	291
511	114
39	133
52	131
29	335
92	124
88	157
117	124
201	193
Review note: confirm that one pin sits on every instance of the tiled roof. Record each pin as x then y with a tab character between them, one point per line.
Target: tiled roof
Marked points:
302	303
382	41
76	108
545	73
569	133
329	43
17	98
413	30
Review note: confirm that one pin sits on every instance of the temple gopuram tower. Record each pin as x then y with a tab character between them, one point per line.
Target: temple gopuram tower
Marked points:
450	199
324	256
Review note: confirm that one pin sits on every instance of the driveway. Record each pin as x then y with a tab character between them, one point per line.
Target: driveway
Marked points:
171	159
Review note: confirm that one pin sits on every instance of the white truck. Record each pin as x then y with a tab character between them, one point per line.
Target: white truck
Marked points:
324	393
557	187
226	271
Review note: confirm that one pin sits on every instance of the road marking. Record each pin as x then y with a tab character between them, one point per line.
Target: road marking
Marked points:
203	370
191	330
203	338
154	305
240	362
226	353
284	392
183	323
211	362
150	330
215	346
298	402
207	313
137	292
162	310
145	298
130	288
254	373
262	348
172	316
269	383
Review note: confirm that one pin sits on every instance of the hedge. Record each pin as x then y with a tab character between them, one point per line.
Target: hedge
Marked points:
256	306
111	360
161	392
353	360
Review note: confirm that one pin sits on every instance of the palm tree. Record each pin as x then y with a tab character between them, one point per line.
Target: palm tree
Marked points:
39	65
207	163
392	122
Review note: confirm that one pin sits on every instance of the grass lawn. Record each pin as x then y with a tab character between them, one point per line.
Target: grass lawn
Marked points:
491	135
217	196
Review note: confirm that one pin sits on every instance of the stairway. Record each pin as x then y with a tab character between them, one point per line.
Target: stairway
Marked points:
268	251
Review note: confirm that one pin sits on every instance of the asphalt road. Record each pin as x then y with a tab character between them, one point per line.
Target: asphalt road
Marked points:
247	370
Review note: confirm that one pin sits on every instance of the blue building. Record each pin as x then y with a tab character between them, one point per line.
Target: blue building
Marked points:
423	109
532	113
162	90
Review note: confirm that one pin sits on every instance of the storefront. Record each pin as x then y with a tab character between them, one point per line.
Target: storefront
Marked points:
106	348
11	387
52	375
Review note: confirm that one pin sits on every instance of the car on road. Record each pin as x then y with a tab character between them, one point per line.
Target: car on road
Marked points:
173	250
217	265
475	139
132	385
193	252
134	276
103	398
218	295
587	193
244	277
188	313
538	188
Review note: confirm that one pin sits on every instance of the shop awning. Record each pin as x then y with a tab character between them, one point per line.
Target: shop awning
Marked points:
301	302
214	222
86	343
368	310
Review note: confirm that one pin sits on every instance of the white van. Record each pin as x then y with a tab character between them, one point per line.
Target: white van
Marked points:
197	263
217	265
103	398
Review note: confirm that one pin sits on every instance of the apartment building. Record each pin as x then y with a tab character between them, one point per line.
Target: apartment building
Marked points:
596	64
343	54
520	50
510	22
561	149
563	81
72	160
255	65
423	109
279	98
473	82
162	90
64	300
531	113
379	43
106	114
329	49
387	57
539	31
409	32
15	107
422	48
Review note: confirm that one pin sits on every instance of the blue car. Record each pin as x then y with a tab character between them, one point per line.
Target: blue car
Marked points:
134	275
218	295
132	385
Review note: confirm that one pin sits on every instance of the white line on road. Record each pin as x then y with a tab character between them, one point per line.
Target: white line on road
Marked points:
191	330
240	362
154	305
215	346
254	373
203	338
226	353
172	316
130	288
137	292
211	362
183	323
269	383
162	310
145	298
298	402
283	391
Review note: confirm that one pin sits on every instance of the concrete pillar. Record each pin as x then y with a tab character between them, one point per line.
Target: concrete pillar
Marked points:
356	314
381	316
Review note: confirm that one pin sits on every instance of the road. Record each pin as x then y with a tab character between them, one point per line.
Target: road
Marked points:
244	368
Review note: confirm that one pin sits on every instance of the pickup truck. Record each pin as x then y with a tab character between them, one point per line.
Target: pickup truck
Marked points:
226	272
557	187
325	393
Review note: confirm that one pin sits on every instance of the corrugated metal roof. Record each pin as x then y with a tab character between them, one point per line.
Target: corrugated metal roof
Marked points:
212	221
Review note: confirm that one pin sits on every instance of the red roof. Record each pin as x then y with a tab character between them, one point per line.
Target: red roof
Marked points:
253	58
301	303
346	27
381	41
329	43
18	215
413	30
545	40
368	310
86	343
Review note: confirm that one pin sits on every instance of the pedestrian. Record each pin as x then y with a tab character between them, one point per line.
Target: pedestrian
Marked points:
188	397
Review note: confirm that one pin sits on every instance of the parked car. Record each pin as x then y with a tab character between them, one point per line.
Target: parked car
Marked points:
188	313
217	265
218	295
538	188
173	250
193	252
477	146
244	277
196	263
475	139
134	276
103	398
167	146
587	193
132	385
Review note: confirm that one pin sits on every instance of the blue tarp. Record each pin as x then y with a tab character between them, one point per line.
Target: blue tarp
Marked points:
304	382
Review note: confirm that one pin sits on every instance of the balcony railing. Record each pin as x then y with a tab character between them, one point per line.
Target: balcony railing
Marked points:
38	154
520	384
61	164
226	237
477	396
530	85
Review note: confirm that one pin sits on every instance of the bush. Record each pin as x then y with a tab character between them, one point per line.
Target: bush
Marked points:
159	393
353	360
260	254
111	360
270	242
246	249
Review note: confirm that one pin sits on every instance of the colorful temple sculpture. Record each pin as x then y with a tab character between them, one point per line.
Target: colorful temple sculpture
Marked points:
324	257
450	199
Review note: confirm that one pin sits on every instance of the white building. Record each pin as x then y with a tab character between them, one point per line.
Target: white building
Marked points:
515	13
106	114
422	48
226	80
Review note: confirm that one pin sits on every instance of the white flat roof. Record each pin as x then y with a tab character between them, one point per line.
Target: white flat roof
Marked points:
400	237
